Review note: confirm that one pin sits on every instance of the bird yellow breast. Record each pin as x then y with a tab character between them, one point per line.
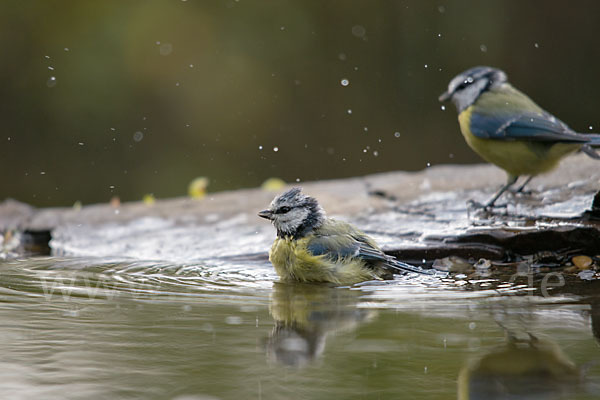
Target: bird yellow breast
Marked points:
293	262
516	157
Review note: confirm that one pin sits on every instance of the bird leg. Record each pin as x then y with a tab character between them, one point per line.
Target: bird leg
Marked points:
589	150
511	181
520	189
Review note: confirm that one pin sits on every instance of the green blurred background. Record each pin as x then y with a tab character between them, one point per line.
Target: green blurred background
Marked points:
115	97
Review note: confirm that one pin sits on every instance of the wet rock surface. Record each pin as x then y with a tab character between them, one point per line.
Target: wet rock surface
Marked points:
418	217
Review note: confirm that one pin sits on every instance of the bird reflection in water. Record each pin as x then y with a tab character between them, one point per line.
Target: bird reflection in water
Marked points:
305	314
523	368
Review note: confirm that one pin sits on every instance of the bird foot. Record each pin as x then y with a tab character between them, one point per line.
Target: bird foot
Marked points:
475	204
485	207
479	210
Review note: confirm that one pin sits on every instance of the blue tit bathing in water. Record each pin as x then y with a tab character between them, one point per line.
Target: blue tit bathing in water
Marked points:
310	247
506	128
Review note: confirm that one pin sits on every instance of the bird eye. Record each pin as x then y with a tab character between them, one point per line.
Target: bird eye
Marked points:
283	210
465	83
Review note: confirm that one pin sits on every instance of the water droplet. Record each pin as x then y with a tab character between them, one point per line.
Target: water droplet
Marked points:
590	127
297	179
67	49
260	147
47	57
42	172
443	108
364	150
165	49
483	48
191	65
138	136
342	56
536	45
375	153
176	83
345	82
472	325
366	129
112	129
451	155
51	82
51	68
81	143
425	66
282	28
359	31
397	134
349	111
276	149
428	164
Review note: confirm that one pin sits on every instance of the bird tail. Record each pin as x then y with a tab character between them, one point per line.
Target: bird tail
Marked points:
404	267
593	138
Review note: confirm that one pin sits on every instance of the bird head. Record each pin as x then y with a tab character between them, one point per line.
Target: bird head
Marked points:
466	87
293	213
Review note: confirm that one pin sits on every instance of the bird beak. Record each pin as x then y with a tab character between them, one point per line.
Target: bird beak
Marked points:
444	96
266	214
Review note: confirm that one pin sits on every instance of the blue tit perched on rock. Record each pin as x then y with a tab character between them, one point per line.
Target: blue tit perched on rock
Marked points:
310	247
506	128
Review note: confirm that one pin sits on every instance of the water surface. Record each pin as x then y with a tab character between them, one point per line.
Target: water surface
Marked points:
77	328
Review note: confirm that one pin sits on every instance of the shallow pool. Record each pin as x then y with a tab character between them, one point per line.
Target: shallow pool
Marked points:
77	328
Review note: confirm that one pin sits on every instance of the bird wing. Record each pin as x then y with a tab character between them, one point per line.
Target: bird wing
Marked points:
354	244
531	126
334	246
